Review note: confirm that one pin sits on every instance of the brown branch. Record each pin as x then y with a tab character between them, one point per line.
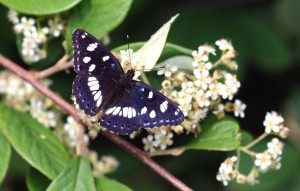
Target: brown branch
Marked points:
68	108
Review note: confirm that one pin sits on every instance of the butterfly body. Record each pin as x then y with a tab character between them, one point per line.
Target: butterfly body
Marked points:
102	86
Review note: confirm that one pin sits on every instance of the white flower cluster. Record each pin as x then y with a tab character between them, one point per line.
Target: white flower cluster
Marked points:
21	95
71	128
270	158
33	36
227	170
106	164
264	161
207	87
158	139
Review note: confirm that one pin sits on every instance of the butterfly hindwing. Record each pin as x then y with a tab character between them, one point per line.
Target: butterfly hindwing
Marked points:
91	57
121	117
153	108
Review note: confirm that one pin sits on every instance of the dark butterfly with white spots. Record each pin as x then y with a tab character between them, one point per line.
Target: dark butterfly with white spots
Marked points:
102	85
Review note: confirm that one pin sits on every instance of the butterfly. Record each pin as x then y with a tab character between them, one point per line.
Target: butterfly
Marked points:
101	85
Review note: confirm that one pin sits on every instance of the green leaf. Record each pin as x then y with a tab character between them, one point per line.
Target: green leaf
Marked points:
152	49
246	138
5	152
181	62
217	134
76	177
98	17
36	181
34	142
104	184
171	50
44	7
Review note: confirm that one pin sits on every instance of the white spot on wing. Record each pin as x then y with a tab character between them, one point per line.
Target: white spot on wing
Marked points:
97	95
144	110
152	114
110	110
91	83
129	113
92	79
92	47
92	67
83	36
176	113
94	87
150	95
164	106
86	59
116	110
99	101
133	112
125	111
105	58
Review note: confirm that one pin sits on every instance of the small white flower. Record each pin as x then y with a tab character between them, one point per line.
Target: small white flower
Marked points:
27	24
273	122
230	87
13	16
203	78
39	111
202	98
213	88
275	148
164	140
167	70
28	48
200	114
55	27
224	44
149	144
239	108
202	65
263	161
227	170
129	60
203	53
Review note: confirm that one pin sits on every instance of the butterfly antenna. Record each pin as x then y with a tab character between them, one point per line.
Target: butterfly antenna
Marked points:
128	50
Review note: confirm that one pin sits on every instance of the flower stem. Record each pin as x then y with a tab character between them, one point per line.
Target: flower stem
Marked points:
257	140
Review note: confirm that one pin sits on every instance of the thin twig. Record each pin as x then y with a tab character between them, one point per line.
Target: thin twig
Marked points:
62	64
68	108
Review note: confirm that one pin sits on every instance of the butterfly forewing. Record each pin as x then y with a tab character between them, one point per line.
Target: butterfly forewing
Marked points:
91	57
90	92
